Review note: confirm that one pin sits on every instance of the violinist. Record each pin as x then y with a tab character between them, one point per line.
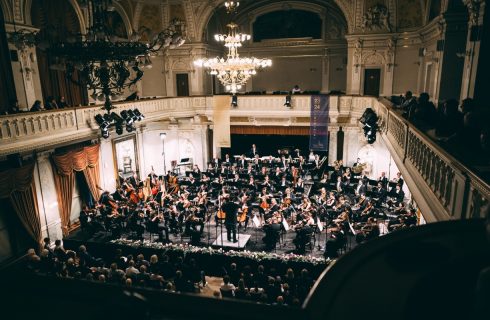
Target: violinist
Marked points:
196	170
305	205
299	187
304	231
369	231
283	184
272	233
242	162
243	216
157	224
346	176
205	178
367	212
277	175
250	170
251	183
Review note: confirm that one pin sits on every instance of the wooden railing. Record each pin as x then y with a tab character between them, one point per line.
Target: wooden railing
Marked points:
451	190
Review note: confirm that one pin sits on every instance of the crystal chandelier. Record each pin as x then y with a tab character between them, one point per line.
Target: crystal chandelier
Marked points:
233	71
107	64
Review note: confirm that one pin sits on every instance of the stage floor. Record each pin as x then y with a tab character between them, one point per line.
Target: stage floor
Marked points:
223	242
250	239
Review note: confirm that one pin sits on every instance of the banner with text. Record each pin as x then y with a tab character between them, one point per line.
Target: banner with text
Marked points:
319	122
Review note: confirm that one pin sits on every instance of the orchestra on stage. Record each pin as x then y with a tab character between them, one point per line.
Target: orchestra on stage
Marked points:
278	194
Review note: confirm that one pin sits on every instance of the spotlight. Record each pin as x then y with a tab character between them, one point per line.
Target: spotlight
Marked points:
287	104
132	115
105	133
129	128
369	119
119	129
139	114
234	101
125	115
101	121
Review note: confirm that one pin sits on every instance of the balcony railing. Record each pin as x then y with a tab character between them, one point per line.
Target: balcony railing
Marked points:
457	192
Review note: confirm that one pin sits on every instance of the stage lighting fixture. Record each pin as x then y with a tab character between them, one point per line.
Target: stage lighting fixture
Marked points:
287	104
132	115
234	101
105	133
126	117
102	122
139	114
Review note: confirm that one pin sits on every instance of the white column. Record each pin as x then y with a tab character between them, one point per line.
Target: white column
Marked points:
47	198
332	146
326	73
107	166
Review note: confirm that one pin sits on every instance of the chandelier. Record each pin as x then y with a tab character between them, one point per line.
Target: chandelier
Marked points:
233	71
107	64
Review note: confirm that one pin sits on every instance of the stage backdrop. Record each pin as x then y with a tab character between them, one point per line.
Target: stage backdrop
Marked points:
319	122
221	119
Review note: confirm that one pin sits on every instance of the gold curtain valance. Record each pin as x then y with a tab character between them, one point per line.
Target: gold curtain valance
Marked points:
77	160
19	179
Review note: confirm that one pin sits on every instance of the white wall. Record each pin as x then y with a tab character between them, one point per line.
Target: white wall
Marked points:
287	72
406	70
153	82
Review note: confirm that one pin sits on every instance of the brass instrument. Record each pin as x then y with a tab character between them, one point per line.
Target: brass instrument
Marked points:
359	168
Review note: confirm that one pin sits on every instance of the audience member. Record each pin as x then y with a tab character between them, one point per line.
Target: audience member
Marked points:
36	106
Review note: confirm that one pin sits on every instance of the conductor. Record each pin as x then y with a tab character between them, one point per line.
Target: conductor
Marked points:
231	209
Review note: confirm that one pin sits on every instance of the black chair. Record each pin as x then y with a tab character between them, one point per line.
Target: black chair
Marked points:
226	293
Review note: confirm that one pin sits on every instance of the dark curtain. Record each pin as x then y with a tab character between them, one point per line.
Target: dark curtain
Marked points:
18	186
60	16
7	86
56	84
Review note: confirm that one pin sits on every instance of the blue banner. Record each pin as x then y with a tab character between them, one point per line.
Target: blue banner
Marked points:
319	123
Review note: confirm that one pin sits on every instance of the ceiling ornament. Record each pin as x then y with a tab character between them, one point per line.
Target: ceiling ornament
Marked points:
233	71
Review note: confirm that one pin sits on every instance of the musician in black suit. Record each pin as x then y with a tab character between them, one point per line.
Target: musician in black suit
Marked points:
398	193
383	179
380	193
253	151
231	209
399	179
361	188
339	186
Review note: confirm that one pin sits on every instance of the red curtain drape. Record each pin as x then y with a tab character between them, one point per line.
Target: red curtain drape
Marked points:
284	131
85	160
18	186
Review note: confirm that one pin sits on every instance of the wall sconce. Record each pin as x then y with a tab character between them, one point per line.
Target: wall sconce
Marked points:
234	101
287	104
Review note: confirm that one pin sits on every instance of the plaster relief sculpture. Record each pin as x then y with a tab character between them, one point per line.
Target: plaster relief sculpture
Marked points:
376	18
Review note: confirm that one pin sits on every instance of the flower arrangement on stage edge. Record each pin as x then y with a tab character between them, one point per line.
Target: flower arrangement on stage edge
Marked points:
186	248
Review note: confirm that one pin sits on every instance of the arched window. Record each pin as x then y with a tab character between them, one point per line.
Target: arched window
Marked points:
287	24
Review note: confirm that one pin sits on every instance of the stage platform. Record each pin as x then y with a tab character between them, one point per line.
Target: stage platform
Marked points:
222	241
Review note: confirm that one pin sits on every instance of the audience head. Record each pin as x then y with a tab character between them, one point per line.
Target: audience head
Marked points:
57	242
424	97
408	95
226	279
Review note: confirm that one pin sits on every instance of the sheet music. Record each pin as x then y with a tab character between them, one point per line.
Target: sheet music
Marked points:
256	221
285	224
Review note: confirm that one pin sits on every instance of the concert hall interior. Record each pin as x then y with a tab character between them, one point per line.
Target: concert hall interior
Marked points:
267	159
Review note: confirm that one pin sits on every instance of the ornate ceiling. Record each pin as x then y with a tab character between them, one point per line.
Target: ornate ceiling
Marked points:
355	16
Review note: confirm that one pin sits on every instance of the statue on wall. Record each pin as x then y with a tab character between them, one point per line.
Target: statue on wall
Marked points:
376	18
